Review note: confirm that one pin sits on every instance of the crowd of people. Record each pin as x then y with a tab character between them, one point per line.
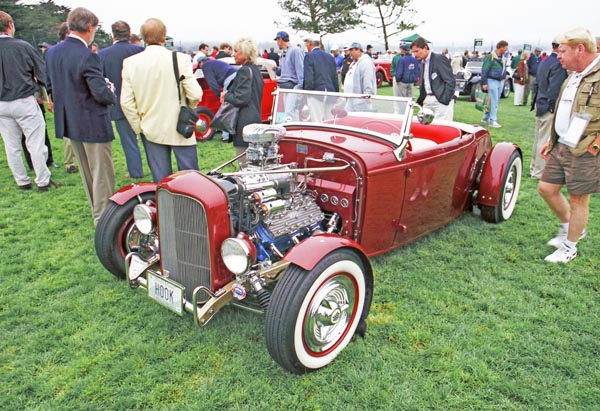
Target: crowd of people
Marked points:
88	90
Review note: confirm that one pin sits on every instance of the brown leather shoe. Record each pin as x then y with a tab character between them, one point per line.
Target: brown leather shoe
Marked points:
72	169
50	184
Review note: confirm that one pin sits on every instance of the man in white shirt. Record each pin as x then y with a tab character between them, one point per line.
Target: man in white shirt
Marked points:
360	78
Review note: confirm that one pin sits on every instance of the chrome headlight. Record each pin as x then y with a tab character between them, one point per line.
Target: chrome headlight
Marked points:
467	75
145	218
238	253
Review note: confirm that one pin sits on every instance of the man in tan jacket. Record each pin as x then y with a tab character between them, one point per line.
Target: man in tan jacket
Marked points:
573	151
149	100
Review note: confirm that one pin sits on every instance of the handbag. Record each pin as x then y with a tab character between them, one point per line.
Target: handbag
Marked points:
226	118
186	121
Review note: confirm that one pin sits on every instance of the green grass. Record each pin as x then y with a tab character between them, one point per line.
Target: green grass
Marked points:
467	318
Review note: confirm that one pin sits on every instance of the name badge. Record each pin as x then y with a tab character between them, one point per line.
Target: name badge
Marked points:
577	127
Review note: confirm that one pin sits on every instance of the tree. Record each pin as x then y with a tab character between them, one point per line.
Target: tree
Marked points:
36	23
389	17
321	16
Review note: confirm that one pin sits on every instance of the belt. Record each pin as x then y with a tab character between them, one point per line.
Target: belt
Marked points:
287	84
430	94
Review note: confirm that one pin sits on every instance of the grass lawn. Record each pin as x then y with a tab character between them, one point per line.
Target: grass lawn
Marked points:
467	318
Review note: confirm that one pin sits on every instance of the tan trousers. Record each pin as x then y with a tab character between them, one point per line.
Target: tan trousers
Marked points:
97	173
68	154
543	127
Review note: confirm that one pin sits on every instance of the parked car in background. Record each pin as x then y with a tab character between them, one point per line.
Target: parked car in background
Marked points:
383	71
209	105
290	233
468	80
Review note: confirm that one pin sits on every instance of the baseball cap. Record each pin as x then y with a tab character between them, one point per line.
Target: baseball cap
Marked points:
405	47
282	35
201	58
355	45
44	44
335	48
312	37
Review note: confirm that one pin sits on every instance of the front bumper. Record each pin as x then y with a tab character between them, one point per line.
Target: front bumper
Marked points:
204	304
146	274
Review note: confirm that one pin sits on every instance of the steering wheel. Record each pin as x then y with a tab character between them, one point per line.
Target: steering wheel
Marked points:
388	126
338	112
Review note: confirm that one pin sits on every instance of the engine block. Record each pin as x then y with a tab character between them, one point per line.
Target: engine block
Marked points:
267	200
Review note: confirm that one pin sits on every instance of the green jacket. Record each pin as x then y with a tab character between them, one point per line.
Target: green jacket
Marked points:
593	128
493	67
397	57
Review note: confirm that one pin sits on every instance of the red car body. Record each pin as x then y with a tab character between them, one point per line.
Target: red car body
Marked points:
291	233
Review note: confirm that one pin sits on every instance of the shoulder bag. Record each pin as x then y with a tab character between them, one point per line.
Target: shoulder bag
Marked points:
186	122
227	116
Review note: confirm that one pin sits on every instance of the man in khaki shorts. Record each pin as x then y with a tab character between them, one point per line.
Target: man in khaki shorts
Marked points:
572	152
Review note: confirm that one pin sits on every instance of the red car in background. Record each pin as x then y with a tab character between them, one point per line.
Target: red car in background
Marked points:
383	71
209	105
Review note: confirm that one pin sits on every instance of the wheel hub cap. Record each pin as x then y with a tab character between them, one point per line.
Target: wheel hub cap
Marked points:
329	314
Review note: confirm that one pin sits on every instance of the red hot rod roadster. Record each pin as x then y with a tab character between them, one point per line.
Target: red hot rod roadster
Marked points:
332	180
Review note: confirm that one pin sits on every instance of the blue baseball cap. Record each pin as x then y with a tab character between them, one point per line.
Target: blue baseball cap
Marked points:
356	45
282	35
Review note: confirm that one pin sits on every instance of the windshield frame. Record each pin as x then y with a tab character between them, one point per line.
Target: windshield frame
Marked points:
396	111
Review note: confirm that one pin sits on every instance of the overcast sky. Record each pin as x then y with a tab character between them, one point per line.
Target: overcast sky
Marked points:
446	23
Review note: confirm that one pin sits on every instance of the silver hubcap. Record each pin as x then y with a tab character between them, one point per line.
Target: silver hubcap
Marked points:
329	314
509	188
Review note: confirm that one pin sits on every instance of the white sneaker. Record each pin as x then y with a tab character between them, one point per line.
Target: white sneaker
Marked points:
562	254
562	236
494	124
485	120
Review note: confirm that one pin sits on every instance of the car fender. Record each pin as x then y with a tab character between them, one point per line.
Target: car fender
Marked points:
128	192
312	250
493	170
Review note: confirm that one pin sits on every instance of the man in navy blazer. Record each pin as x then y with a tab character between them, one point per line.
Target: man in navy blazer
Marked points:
112	63
81	99
320	74
436	90
550	77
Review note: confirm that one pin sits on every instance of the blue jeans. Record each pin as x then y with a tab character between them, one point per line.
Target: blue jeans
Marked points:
159	158
131	149
494	90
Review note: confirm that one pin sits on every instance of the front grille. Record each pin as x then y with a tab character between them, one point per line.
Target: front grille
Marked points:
184	242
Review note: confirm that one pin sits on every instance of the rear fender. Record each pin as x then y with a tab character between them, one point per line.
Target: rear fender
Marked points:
495	165
128	192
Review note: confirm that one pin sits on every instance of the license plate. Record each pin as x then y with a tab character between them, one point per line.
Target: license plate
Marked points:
166	293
